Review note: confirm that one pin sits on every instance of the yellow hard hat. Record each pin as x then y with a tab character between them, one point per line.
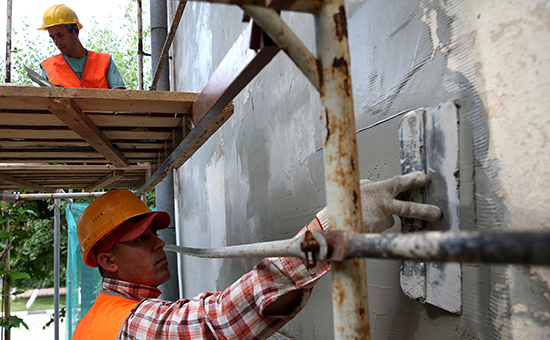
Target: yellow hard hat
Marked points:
59	15
99	224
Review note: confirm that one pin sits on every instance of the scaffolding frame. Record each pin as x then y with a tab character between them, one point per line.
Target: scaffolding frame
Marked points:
329	73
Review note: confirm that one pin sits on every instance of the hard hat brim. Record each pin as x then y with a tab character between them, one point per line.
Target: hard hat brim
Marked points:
128	231
161	220
45	28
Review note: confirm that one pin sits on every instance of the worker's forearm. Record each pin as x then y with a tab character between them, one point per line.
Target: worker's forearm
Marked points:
285	304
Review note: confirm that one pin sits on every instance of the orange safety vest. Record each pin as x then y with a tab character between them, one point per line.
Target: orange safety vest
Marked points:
94	75
104	320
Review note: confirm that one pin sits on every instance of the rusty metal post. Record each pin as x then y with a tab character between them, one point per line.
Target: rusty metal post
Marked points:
6	289
167	43
349	284
140	44
56	269
8	41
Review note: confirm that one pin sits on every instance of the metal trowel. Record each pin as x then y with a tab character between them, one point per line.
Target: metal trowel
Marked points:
38	78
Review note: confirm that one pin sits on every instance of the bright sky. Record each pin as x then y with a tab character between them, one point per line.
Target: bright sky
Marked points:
86	10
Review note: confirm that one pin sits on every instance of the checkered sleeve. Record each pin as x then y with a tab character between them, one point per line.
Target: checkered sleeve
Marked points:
235	313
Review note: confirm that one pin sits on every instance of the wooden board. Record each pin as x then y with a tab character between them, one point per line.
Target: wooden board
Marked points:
60	138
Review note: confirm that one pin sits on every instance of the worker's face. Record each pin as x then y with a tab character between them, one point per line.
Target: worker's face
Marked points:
142	260
66	41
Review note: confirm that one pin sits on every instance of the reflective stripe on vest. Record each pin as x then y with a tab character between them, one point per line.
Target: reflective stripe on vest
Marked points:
104	319
94	75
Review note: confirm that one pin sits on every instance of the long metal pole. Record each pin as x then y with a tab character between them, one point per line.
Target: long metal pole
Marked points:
140	44
5	196
8	41
56	244
159	66
6	286
349	278
294	247
512	247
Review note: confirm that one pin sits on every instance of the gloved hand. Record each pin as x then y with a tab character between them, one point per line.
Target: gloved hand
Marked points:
379	204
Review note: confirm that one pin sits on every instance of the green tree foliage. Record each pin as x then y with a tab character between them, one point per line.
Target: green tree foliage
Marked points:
6	242
118	37
31	224
27	52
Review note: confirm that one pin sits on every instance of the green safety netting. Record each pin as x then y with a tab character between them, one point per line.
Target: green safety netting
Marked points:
83	282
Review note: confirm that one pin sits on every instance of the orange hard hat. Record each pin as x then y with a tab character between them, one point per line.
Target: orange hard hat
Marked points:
100	221
59	15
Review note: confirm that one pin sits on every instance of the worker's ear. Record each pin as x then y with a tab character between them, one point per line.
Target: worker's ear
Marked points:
107	262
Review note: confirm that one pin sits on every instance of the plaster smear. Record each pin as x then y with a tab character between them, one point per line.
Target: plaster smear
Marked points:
215	193
503	50
301	145
512	50
215	179
203	37
525	329
429	17
512	46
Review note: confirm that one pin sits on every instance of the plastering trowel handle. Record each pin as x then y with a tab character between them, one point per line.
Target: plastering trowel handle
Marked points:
295	247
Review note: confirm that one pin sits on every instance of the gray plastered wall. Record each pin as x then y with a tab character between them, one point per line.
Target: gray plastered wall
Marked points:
261	177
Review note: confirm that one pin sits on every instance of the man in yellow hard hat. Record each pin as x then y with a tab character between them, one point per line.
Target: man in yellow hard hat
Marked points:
75	66
118	233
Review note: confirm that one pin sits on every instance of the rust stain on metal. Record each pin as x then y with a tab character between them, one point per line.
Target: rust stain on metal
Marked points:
338	290
361	311
310	247
516	247
342	66
327	124
346	305
320	71
340	24
336	241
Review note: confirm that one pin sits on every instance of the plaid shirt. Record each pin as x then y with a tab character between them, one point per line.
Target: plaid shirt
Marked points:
235	313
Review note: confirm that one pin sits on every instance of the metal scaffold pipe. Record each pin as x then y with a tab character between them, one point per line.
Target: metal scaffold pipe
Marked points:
270	21
5	196
295	247
8	41
349	278
140	44
503	247
158	12
510	247
159	66
56	267
6	289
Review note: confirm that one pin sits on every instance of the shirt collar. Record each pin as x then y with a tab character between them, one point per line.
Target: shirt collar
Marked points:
130	290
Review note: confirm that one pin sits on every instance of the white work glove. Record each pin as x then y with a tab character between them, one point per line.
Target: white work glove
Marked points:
379	204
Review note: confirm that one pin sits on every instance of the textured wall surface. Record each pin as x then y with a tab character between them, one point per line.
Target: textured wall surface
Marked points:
261	176
511	47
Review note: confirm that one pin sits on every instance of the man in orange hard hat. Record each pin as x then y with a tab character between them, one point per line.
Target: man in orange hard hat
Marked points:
75	66
118	233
